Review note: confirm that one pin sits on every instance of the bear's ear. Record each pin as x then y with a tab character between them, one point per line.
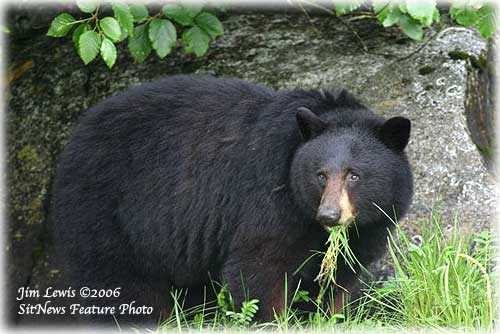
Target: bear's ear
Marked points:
310	125
395	133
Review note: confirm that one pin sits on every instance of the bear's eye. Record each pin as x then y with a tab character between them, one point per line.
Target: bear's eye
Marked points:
321	177
353	177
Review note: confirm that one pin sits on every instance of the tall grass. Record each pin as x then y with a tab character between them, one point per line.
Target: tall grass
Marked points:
446	280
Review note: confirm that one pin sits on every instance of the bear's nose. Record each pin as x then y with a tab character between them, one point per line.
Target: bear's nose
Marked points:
328	216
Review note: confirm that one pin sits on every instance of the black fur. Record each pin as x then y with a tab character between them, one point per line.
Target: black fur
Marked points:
186	178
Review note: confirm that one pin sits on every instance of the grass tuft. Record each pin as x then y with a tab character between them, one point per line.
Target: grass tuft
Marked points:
445	281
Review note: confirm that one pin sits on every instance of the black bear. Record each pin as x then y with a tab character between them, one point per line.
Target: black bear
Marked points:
191	178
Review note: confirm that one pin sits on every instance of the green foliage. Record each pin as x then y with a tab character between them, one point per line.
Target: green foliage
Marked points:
111	28
145	31
464	15
446	280
163	35
412	16
139	44
411	28
108	52
422	10
61	25
224	301
487	21
124	16
87	6
77	33
89	45
209	24
195	41
390	18
197	27
347	6
301	296
139	12
184	15
245	316
475	13
211	314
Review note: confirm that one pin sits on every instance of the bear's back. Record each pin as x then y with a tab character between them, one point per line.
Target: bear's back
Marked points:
154	166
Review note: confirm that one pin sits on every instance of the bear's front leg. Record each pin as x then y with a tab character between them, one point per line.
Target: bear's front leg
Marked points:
263	279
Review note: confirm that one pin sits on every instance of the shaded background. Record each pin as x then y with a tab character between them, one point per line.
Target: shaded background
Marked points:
49	87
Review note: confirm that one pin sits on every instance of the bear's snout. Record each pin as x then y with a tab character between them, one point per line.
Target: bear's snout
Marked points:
335	207
328	216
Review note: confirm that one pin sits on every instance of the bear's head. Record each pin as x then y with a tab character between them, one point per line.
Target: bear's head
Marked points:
351	167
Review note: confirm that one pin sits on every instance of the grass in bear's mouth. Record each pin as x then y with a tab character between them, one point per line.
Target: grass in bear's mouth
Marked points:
338	245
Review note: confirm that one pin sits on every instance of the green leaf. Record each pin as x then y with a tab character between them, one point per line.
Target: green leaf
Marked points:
210	24
436	16
402	7
464	15
411	27
139	12
89	44
392	18
123	35
77	33
422	10
108	52
124	17
111	28
195	41
194	8
87	6
61	25
139	44
163	36
380	5
345	7
382	8
180	14
487	23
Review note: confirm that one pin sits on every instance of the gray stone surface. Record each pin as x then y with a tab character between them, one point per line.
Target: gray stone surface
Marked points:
280	51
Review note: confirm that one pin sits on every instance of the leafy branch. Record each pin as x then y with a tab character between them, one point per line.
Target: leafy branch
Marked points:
413	16
94	35
196	28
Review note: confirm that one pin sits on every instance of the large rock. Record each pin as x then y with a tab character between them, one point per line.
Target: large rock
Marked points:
480	105
51	87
